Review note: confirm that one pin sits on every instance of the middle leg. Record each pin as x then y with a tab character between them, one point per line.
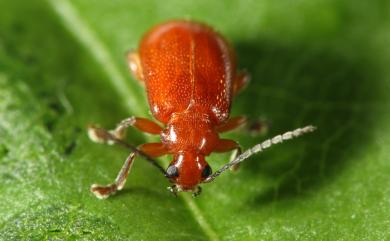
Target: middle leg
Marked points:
232	123
257	127
142	124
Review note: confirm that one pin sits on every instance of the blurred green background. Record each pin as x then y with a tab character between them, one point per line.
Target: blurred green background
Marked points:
321	62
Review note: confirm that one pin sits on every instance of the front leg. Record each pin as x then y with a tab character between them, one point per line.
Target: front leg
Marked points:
225	145
150	149
103	192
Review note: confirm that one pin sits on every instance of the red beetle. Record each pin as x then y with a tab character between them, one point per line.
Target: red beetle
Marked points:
190	75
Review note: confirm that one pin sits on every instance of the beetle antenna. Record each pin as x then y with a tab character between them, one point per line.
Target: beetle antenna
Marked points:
260	147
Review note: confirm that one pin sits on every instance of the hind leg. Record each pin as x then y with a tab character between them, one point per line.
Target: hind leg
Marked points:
134	62
241	80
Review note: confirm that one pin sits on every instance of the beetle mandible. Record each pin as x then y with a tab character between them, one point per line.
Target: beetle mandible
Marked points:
189	71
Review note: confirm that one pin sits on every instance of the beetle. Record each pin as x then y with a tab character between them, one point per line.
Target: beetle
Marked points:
189	71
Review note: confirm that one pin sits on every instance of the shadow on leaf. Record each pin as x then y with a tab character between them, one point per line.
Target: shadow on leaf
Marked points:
296	85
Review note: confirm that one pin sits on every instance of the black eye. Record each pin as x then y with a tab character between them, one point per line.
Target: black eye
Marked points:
172	171
206	171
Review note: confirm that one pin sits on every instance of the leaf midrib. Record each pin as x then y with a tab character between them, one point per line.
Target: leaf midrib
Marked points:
89	40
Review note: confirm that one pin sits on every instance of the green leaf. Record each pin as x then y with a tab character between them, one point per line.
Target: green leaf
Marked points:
312	62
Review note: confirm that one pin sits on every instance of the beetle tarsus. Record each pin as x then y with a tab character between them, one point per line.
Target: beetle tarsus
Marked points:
103	192
99	135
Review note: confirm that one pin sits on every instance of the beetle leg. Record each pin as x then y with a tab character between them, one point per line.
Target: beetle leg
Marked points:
134	62
232	124
241	80
119	132
225	145
142	124
257	127
104	191
155	149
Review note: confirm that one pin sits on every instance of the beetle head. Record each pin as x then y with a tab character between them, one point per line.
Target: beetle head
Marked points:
186	171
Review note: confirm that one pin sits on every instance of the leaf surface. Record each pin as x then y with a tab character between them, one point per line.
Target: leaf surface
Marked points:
312	62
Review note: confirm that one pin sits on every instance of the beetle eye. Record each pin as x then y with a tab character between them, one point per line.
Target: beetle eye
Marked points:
206	171
172	171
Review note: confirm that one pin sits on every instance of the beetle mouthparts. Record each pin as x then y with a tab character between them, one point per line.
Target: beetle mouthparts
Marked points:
174	189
